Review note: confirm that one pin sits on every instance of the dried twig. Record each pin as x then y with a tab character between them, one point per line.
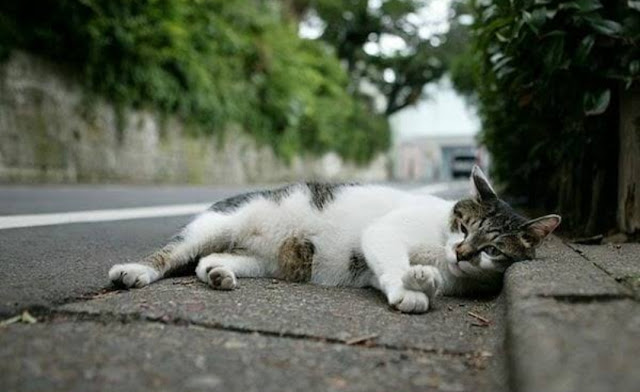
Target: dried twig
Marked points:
477	316
361	339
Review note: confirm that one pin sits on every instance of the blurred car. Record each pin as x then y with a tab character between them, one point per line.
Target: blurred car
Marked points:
462	164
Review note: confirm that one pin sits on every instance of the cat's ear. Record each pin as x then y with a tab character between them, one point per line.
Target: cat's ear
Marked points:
480	187
536	230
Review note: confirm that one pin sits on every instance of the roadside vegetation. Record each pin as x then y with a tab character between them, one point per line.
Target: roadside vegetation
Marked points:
217	63
550	79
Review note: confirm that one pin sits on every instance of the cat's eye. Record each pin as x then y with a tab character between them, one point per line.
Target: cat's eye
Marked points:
463	229
491	251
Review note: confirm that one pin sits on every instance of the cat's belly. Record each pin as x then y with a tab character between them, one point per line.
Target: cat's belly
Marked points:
307	247
339	262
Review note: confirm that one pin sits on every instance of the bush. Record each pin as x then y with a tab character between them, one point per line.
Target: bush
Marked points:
547	77
211	62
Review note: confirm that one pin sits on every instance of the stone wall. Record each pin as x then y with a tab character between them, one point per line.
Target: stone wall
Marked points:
52	131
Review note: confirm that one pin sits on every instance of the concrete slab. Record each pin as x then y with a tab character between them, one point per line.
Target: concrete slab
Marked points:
621	261
559	271
282	308
88	356
574	346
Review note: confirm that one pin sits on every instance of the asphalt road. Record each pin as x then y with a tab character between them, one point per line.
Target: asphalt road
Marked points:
64	198
52	264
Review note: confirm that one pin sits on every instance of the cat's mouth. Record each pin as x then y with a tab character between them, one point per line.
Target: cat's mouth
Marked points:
462	268
459	268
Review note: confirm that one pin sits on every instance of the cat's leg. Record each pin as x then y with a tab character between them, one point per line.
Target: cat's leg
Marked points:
387	255
209	232
221	270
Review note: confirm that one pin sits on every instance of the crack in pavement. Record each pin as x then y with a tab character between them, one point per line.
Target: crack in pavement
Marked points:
585	298
46	314
627	287
88	296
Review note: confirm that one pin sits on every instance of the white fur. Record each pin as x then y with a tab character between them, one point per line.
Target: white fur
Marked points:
398	232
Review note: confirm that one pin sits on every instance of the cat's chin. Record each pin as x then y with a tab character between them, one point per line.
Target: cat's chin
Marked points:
455	269
452	259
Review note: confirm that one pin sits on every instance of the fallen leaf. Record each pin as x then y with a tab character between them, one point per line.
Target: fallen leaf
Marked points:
28	318
25	318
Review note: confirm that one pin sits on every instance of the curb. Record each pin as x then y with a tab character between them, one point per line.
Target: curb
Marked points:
570	326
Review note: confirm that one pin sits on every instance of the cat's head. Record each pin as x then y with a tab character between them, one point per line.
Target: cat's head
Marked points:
487	235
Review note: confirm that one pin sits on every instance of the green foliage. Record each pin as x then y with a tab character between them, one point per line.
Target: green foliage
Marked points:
399	75
547	74
461	60
213	63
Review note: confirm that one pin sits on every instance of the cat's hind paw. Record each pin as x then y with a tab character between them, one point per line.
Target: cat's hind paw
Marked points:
132	275
424	278
409	301
218	277
222	278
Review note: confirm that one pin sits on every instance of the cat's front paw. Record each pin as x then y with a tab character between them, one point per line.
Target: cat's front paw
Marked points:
132	275
409	301
423	278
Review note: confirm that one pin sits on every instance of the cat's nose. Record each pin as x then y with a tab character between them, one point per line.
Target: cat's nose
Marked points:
463	253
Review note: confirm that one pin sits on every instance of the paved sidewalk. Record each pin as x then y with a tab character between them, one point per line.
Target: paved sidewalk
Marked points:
265	336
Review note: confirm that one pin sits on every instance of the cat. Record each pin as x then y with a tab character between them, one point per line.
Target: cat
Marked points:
410	246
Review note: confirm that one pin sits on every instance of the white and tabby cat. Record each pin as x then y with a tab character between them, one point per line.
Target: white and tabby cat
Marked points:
410	246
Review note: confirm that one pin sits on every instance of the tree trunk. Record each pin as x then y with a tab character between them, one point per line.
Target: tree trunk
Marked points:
629	161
